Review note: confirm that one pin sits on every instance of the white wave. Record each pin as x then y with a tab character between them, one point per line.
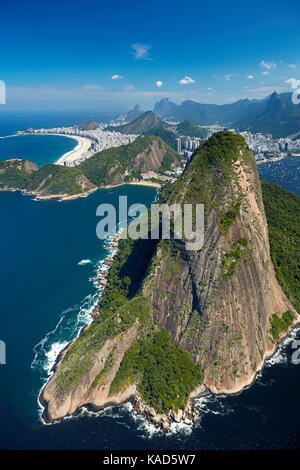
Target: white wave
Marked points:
212	404
280	356
53	353
185	427
143	424
84	262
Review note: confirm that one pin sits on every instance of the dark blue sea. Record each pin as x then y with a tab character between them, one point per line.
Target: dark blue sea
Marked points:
48	255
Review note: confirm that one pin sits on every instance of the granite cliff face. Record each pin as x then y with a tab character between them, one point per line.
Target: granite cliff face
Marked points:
218	303
171	319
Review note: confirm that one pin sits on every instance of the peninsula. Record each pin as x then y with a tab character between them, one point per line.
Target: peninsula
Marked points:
138	162
172	323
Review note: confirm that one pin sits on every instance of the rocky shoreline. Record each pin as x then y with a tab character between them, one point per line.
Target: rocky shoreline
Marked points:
189	415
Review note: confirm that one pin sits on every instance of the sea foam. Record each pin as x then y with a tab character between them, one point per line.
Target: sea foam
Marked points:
84	262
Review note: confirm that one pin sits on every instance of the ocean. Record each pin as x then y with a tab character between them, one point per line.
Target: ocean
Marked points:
49	252
41	149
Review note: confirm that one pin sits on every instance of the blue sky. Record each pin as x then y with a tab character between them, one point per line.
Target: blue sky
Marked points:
113	54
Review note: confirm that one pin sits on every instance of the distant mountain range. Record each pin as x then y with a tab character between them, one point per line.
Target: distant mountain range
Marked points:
134	113
151	124
275	114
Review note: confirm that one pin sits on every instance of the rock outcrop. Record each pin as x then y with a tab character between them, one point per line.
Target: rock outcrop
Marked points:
217	303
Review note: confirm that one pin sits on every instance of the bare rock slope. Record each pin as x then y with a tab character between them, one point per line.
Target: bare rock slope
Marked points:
171	319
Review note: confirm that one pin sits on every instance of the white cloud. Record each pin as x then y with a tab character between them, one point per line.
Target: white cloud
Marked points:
141	51
159	83
265	73
250	77
229	76
186	80
116	77
268	65
292	66
210	88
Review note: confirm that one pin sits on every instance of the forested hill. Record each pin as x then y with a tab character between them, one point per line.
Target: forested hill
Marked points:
113	166
120	164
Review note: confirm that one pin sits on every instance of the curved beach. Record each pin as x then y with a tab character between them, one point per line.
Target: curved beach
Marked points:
84	144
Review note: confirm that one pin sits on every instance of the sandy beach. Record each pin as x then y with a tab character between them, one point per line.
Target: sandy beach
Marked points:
83	146
145	183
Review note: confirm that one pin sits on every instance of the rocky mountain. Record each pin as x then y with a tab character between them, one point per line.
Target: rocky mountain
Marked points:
134	113
173	321
59	181
201	113
16	173
275	114
89	126
120	164
189	128
117	165
148	124
140	125
45	182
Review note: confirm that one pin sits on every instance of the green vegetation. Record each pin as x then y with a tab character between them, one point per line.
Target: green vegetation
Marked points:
165	134
210	178
189	128
228	218
118	310
47	180
283	215
279	325
57	179
140	125
232	260
110	166
16	173
165	374
277	116
148	123
79	358
116	165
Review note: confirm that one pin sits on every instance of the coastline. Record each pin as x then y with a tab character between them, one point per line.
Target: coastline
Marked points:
188	415
58	197
66	197
277	159
130	394
83	146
